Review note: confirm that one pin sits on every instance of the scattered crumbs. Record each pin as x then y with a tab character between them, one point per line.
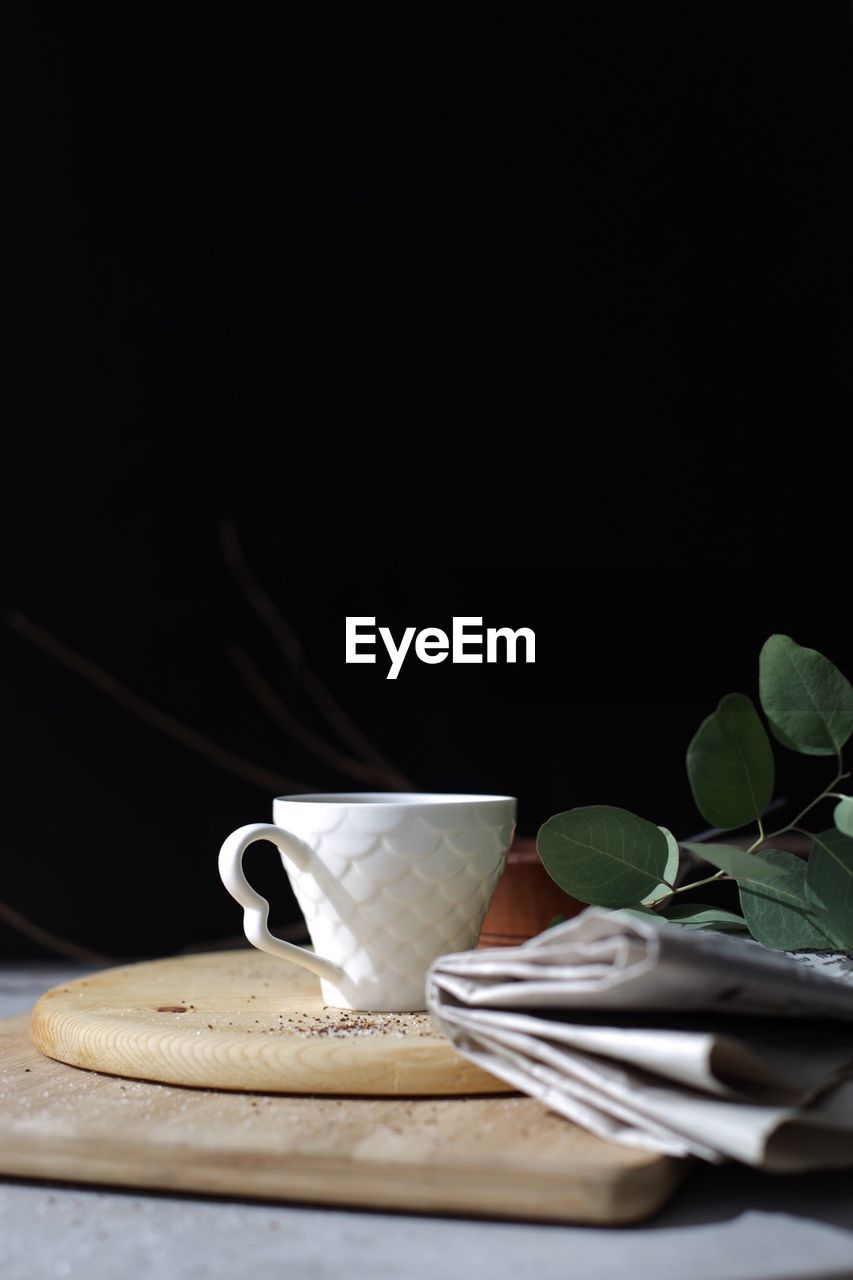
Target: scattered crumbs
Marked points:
210	1026
171	1008
28	1068
366	1024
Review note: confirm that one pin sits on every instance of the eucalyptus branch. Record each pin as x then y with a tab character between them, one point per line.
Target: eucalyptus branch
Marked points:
708	880
792	826
683	888
608	857
760	839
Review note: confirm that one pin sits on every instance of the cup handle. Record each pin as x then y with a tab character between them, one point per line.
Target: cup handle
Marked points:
256	909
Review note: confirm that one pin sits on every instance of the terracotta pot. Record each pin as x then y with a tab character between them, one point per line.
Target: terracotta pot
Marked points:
526	900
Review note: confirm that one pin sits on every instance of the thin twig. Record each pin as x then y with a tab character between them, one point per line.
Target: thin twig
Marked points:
697	884
792	825
151	715
49	941
279	711
290	646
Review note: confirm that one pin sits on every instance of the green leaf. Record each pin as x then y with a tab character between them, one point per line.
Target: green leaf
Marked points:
744	867
698	915
670	871
829	885
807	700
843	815
779	913
557	919
603	855
730	764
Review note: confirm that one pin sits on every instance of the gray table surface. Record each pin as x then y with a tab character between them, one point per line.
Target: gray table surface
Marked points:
725	1224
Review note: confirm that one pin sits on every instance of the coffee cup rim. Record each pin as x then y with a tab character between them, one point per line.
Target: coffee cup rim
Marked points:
389	799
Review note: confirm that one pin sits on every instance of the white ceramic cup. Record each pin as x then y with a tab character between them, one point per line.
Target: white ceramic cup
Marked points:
386	881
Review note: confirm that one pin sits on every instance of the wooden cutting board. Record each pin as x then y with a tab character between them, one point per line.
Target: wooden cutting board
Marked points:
244	1020
504	1157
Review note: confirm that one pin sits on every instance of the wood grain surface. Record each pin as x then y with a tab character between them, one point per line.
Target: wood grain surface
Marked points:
249	1021
505	1157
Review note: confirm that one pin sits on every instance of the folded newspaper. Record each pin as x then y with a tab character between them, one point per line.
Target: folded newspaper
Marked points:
676	1040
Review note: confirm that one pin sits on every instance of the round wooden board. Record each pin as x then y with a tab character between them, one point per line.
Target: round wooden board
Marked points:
244	1020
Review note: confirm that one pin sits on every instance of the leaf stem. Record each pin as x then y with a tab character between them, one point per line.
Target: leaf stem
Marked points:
760	838
792	826
683	888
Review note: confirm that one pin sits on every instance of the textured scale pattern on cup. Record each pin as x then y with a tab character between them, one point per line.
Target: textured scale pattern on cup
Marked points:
387	890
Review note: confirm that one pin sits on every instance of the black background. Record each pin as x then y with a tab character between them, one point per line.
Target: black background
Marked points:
540	320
